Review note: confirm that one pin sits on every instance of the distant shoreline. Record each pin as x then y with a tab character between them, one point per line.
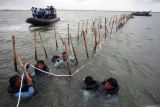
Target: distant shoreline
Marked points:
76	10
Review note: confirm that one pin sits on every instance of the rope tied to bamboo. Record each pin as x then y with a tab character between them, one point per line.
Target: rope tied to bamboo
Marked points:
57	74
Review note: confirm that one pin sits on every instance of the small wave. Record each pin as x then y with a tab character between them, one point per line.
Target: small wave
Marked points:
21	27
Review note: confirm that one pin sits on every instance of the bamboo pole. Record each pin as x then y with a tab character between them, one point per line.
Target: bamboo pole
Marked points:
99	30
65	46
112	27
85	43
56	38
74	51
78	32
100	21
86	27
95	38
68	35
69	70
68	65
35	49
43	45
60	37
105	28
116	22
110	22
106	25
14	52
82	24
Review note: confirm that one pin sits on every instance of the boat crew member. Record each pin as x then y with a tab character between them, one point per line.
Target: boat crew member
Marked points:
33	12
27	86
61	61
52	11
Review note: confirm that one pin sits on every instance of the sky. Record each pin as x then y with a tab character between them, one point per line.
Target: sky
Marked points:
116	5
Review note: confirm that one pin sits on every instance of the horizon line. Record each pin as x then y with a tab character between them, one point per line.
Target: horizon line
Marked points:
74	10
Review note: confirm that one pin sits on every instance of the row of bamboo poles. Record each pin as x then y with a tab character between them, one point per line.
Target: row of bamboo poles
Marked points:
100	28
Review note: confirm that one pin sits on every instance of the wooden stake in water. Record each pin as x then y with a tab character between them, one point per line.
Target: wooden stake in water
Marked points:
69	69
68	64
14	53
60	38
65	46
85	43
86	27
82	24
74	51
68	35
43	45
35	49
95	38
78	32
106	30
56	38
112	27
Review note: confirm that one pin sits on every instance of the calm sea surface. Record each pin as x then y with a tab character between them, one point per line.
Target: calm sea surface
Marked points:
131	55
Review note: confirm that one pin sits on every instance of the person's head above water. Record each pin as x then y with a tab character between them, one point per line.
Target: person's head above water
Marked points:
89	80
15	81
111	83
40	64
64	56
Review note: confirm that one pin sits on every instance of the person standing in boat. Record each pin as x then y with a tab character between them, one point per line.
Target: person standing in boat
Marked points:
46	13
52	11
33	12
36	12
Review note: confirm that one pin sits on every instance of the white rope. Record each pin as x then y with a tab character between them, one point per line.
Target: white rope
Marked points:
19	96
57	74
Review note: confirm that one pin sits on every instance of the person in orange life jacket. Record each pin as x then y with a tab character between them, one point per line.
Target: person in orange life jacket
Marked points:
61	62
27	86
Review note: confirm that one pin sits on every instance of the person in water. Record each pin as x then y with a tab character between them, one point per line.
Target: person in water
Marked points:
109	87
27	86
61	61
90	84
42	66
